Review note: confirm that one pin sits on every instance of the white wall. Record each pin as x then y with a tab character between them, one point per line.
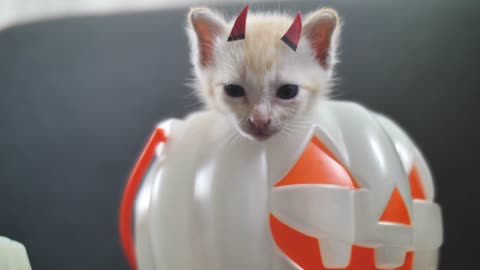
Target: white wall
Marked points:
21	11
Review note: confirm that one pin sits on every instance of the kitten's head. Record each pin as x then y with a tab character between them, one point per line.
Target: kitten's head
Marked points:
260	83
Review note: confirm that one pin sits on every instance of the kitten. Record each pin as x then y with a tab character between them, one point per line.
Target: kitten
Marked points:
260	83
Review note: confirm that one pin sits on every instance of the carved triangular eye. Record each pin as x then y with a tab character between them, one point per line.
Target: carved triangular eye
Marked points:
317	165
416	185
238	29
292	36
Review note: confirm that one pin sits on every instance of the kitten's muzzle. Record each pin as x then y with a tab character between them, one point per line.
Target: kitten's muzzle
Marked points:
260	133
259	122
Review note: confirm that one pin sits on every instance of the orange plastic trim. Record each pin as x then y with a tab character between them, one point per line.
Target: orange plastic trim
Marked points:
416	186
396	210
130	192
317	165
305	252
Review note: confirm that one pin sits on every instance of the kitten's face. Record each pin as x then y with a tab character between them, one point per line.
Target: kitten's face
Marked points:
259	83
263	86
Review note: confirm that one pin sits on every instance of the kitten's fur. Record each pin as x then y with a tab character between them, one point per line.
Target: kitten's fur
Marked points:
261	63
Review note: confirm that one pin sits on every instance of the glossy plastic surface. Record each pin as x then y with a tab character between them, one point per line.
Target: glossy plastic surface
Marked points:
351	191
13	255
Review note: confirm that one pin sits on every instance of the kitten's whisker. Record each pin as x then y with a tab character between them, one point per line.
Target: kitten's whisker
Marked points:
228	138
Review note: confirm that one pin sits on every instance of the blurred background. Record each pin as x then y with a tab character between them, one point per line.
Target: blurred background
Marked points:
82	84
22	11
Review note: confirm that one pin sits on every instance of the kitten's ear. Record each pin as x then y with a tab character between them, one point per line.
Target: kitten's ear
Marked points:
204	26
321	29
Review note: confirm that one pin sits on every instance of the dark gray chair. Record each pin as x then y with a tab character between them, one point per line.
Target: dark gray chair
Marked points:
78	98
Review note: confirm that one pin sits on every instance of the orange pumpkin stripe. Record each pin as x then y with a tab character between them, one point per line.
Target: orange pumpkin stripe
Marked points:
130	192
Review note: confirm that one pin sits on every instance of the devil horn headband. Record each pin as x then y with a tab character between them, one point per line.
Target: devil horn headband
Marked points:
292	36
238	30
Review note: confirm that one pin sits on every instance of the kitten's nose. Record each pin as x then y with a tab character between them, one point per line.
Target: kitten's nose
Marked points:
260	116
259	121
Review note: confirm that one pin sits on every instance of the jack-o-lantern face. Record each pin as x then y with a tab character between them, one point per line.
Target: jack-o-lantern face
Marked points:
318	166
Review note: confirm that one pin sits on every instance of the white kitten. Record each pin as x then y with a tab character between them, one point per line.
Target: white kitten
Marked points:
260	83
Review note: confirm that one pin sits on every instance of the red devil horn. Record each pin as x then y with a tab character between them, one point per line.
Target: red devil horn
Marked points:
238	30
292	36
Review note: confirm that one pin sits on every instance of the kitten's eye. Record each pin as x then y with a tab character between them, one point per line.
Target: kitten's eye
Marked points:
287	91
234	90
